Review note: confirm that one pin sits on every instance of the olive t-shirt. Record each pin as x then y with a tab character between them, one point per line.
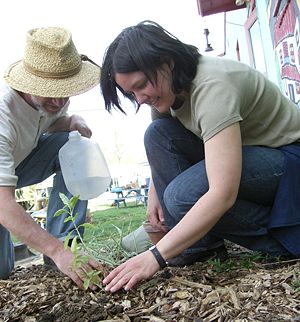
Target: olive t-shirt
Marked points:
225	92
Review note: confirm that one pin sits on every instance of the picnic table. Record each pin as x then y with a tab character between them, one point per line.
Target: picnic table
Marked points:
122	194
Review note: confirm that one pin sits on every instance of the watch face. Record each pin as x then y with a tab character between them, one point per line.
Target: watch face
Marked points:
152	247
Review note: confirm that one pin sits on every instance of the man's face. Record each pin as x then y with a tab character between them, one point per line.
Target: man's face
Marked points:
48	105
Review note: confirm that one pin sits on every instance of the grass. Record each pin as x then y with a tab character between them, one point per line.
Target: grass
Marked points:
107	218
245	261
110	225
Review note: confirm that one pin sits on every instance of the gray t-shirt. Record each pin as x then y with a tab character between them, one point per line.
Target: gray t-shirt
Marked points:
225	92
20	129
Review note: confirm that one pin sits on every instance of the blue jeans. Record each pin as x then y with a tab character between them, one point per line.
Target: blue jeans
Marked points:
176	158
40	164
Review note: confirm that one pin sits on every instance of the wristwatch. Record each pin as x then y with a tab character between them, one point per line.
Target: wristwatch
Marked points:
162	263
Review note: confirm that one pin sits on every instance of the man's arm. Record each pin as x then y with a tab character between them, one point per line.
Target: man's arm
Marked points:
15	219
71	123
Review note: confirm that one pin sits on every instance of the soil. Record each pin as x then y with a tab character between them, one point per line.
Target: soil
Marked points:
238	290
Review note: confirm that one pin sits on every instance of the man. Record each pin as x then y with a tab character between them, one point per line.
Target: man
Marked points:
34	125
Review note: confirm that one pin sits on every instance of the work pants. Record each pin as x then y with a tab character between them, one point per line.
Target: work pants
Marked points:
176	158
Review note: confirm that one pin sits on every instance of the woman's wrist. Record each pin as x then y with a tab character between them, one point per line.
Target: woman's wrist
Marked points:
157	255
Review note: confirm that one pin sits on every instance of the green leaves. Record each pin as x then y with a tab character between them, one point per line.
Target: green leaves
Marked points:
66	241
92	278
80	260
88	225
59	212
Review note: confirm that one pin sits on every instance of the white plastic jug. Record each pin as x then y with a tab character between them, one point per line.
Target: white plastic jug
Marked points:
83	167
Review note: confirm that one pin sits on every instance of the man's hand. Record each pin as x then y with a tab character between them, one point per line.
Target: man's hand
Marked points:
71	123
65	262
14	218
79	124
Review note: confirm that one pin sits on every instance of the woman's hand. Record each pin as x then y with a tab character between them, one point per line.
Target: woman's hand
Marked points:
154	211
128	274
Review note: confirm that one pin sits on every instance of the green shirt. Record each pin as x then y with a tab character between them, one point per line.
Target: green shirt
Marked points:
225	92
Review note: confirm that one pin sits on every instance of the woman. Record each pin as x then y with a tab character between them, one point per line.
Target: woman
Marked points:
222	166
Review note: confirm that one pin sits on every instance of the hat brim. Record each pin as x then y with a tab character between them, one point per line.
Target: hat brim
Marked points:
87	78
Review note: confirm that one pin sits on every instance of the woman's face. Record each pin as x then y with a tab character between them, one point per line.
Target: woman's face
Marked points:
158	95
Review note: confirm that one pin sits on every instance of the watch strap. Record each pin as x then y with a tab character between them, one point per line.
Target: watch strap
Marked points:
162	263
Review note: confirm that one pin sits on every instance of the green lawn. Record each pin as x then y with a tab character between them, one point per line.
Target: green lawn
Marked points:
110	224
106	219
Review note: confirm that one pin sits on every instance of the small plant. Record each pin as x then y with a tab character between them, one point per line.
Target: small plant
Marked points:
296	281
110	253
92	277
248	260
219	266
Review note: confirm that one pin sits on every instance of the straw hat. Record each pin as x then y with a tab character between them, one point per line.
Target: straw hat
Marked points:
51	66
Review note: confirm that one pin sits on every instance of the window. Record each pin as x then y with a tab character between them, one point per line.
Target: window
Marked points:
254	40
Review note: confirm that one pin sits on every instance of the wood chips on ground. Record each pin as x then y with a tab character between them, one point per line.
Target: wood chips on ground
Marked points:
196	293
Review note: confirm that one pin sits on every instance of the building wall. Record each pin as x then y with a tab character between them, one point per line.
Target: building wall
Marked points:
266	36
284	30
262	49
235	43
269	53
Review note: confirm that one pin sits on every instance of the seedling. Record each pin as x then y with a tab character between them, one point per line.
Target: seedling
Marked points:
219	266
109	253
92	277
296	281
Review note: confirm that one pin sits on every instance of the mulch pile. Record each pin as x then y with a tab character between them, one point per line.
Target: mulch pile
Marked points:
202	292
238	290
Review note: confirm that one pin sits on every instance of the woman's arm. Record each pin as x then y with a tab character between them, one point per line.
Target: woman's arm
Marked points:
223	159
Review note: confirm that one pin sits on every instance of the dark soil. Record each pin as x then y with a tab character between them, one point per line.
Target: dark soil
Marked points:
238	290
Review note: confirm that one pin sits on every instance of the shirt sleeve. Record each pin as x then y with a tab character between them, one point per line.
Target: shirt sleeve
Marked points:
7	166
216	104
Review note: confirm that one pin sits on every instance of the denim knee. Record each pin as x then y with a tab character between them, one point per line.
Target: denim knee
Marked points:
7	261
6	271
177	205
7	258
185	190
167	129
151	132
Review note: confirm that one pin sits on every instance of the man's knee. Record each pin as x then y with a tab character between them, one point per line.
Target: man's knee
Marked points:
4	274
60	138
6	267
7	258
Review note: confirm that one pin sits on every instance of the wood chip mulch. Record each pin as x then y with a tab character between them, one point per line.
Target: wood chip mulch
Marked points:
202	292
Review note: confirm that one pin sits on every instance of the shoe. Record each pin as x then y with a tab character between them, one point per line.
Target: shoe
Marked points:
137	241
189	259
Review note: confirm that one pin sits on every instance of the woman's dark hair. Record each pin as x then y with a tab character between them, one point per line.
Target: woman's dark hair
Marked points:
145	47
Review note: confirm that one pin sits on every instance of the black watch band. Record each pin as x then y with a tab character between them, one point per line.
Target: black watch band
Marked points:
162	263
